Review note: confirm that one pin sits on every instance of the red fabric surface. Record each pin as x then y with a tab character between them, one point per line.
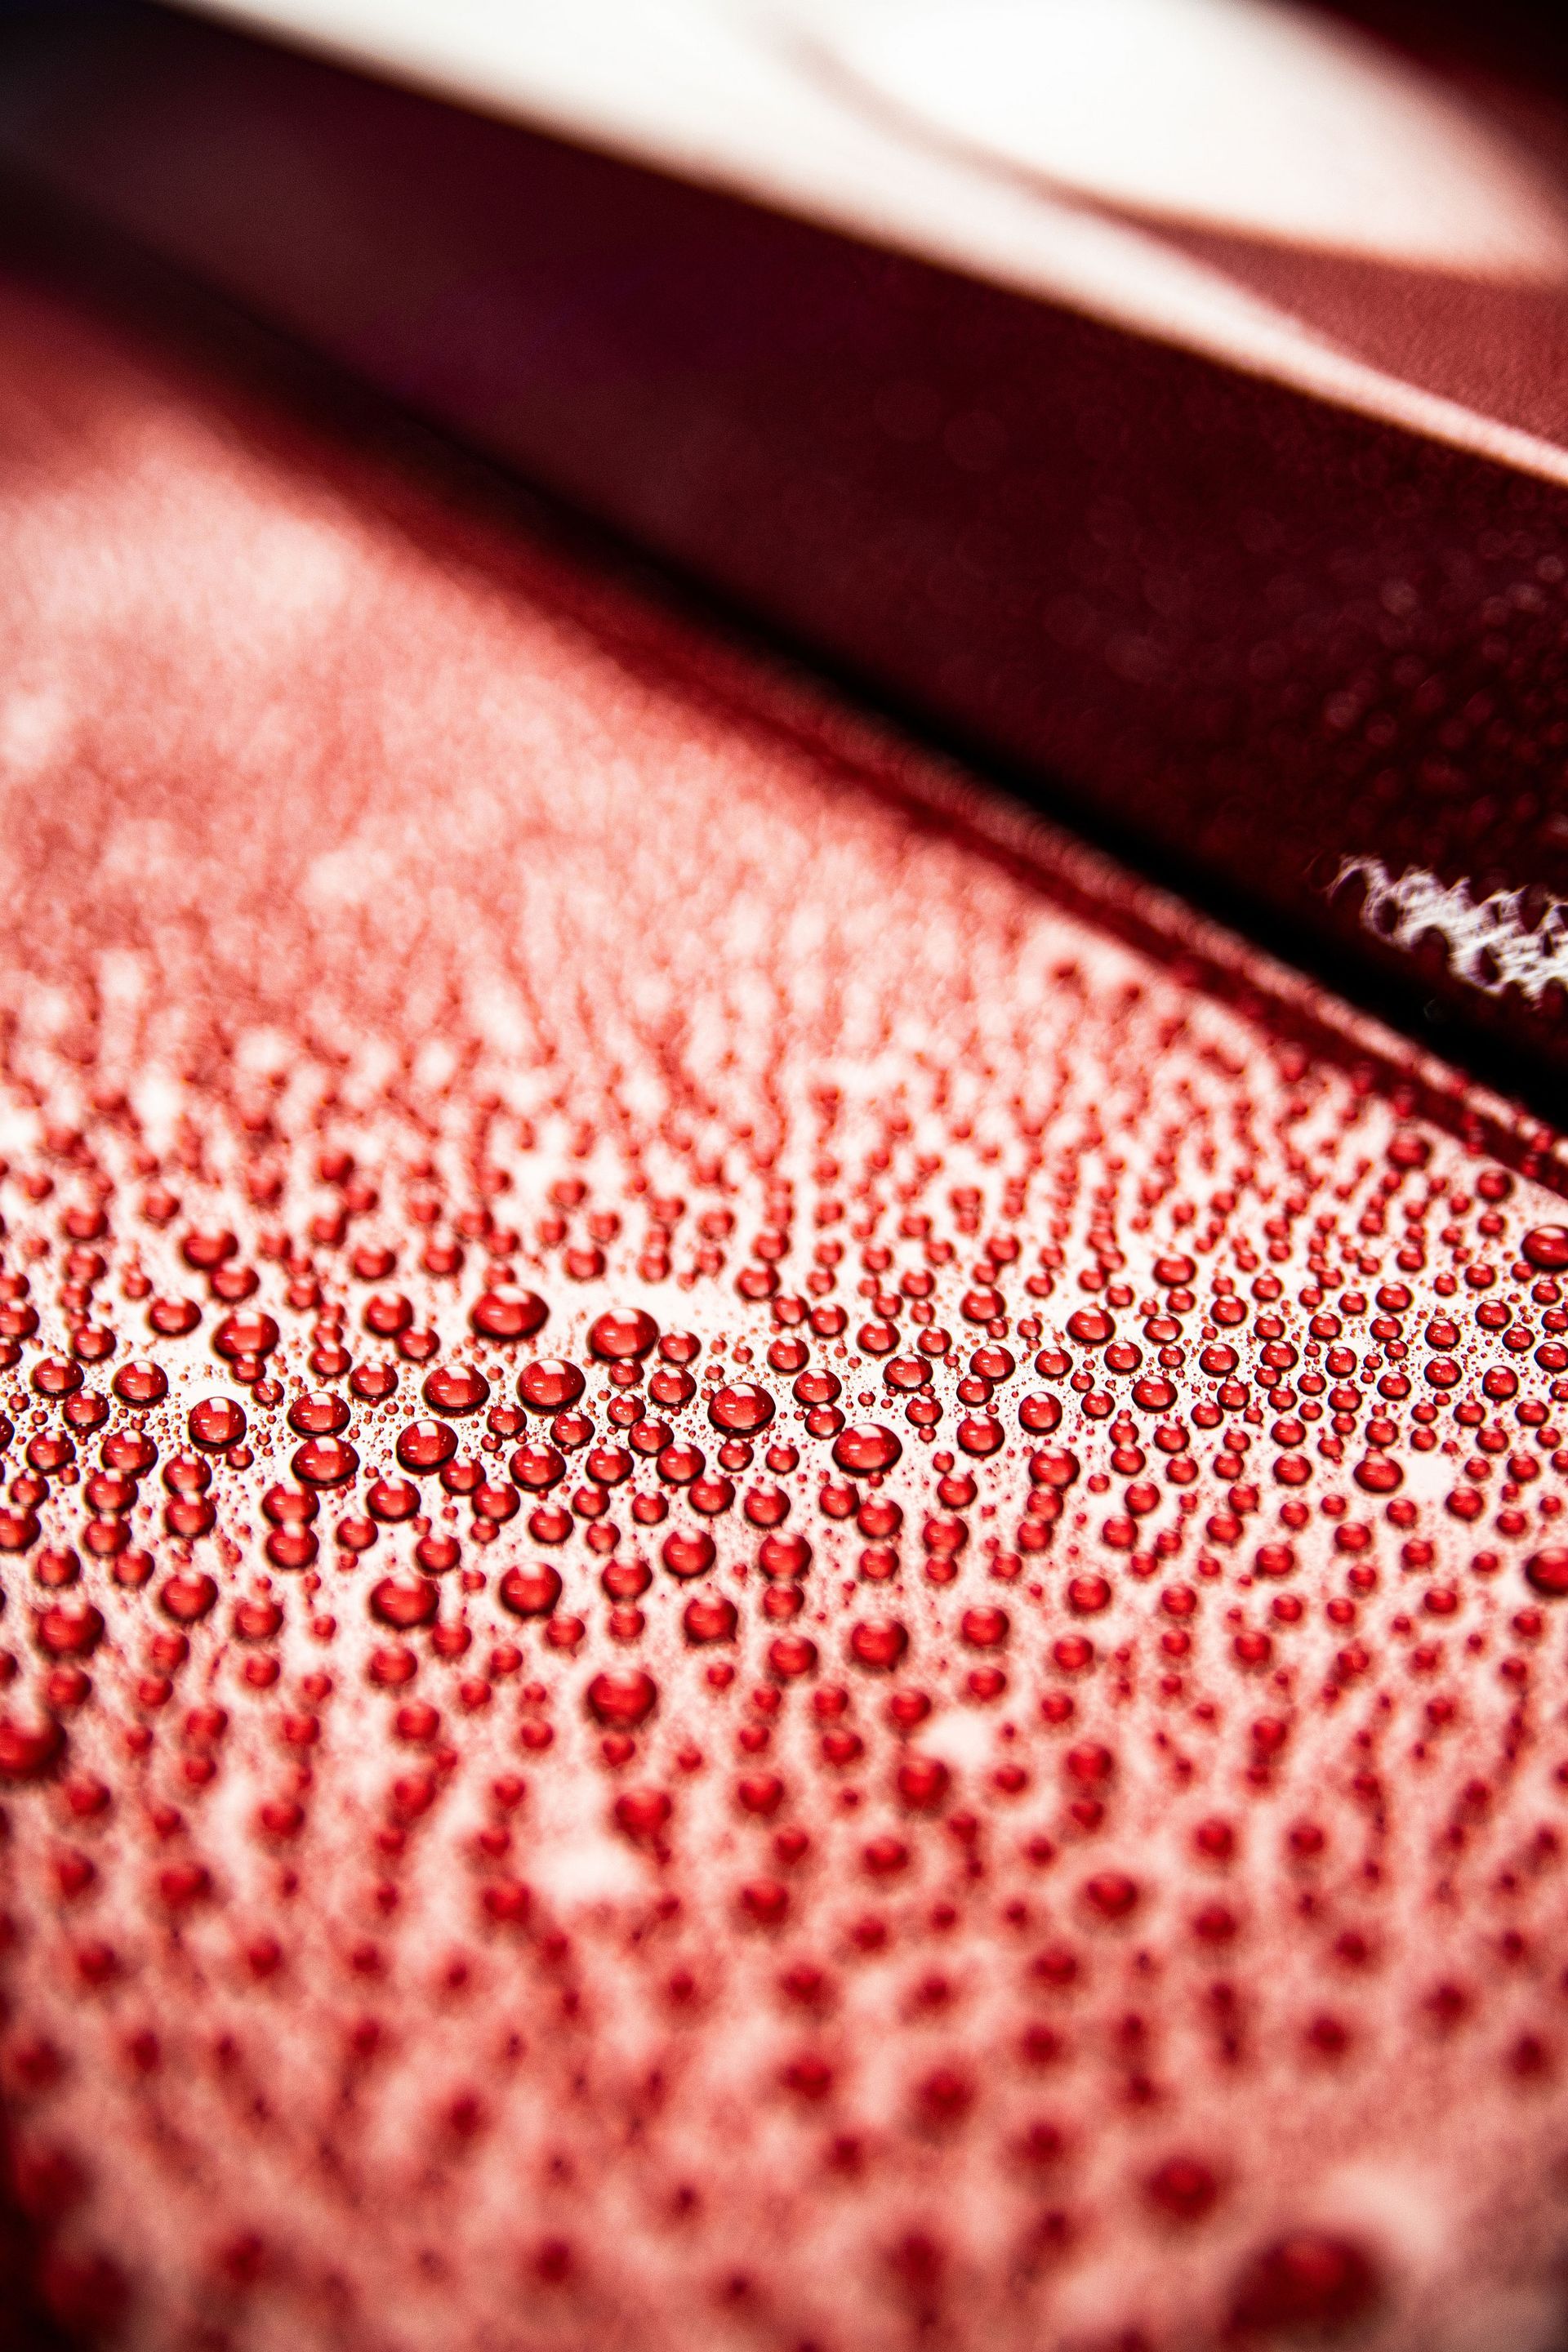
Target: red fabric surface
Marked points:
1311	660
1094	1880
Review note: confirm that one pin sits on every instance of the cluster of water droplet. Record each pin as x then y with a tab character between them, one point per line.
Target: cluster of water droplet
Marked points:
751	1595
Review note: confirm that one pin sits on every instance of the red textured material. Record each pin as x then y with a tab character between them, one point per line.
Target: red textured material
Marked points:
758	1593
1304	658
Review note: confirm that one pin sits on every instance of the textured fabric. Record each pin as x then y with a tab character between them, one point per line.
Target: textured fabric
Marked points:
757	1593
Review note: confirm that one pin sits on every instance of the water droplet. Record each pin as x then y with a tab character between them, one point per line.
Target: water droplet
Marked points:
214	1423
425	1445
1547	1572
1309	2281
924	1782
709	1618
866	1446
29	1750
742	1409
319	1413
643	1814
688	1552
325	1462
1111	1895
879	1643
621	1698
550	1385
531	1591
456	1389
623	1336
187	1597
246	1333
783	1557
137	1383
403	1603
504	1313
1184	2188
71	1629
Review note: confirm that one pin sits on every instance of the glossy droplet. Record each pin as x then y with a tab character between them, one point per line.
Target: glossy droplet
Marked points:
186	1473
643	1814
624	1336
290	1505
456	1389
879	1643
1184	2188
246	1333
1111	1895
709	1618
188	1597
319	1413
1091	1327
71	1629
28	1751
924	1782
741	1410
172	1318
404	1602
257	1620
1546	1246
426	1445
866	1446
1309	2281
130	1451
1547	1572
532	1591
388	1314
550	1385
688	1552
140	1383
392	1500
216	1423
783	1557
537	1467
505	1313
209	1248
623	1698
291	1547
325	1462
1054	1467
790	1657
